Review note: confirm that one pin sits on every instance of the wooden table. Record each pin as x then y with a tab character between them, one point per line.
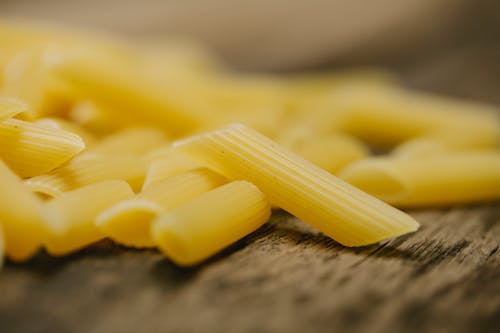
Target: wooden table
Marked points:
286	277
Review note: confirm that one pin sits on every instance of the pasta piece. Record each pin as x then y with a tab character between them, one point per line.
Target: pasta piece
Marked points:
436	180
65	125
20	215
331	152
129	222
449	141
348	215
100	119
28	76
125	87
31	149
88	169
131	141
72	216
200	228
388	115
2	247
9	107
166	164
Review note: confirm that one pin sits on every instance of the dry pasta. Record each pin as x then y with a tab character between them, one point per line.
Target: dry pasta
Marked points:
131	141
129	91
71	218
341	211
2	246
88	169
200	228
88	138
167	163
32	149
20	215
129	222
387	115
455	140
9	107
329	151
443	179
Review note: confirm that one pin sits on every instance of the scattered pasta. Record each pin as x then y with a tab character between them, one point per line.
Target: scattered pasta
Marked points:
129	222
87	150
341	211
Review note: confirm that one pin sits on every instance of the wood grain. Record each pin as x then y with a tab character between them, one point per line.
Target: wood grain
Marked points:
285	276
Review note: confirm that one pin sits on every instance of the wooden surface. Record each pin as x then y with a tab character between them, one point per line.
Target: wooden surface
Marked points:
286	277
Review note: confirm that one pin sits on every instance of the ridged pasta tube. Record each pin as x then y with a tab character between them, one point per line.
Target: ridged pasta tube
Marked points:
341	211
129	222
71	218
88	169
443	179
200	228
32	149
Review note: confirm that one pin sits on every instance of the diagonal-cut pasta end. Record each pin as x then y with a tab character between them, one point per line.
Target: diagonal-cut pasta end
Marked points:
129	222
377	177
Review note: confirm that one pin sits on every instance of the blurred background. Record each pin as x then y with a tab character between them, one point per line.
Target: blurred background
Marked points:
429	42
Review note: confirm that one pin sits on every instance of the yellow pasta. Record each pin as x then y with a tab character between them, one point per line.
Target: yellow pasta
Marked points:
100	119
28	76
31	149
129	222
351	217
88	169
443	179
200	228
9	107
167	163
131	141
127	89
330	151
59	123
20	215
456	140
2	247
71	218
388	115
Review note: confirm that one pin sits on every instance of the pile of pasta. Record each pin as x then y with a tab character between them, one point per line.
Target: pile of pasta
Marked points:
157	144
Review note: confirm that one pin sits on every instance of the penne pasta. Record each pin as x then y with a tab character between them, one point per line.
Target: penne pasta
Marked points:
168	163
331	152
28	76
88	169
101	120
2	247
443	179
388	115
59	123
9	107
131	141
71	218
21	216
348	215
455	140
32	149
127	89
129	222
202	227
